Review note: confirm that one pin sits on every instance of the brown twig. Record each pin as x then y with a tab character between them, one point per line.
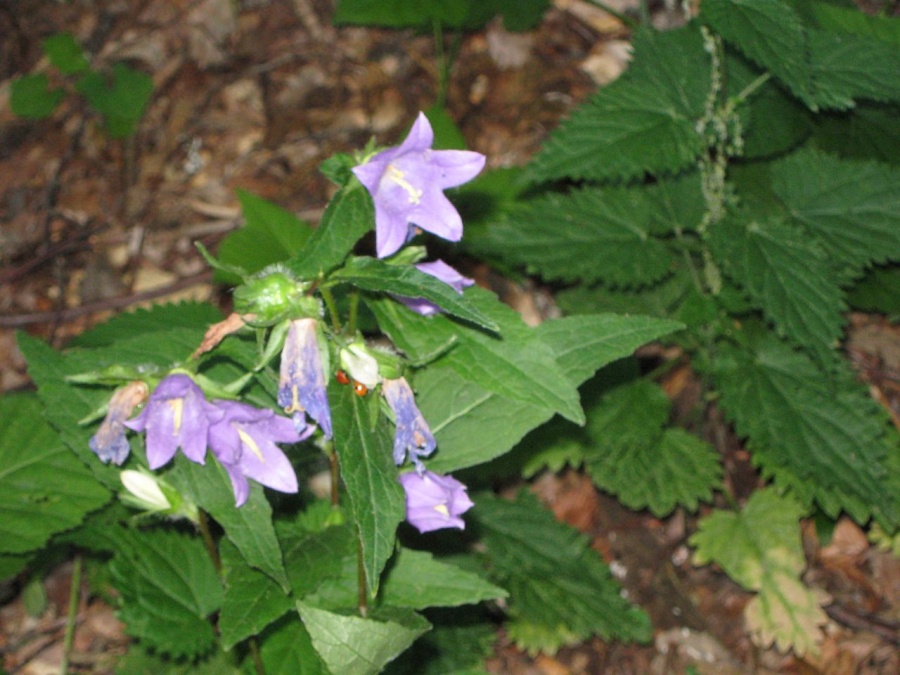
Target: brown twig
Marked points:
886	629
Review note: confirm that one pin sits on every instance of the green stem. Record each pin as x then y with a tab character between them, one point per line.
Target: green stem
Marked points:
633	24
332	308
361	579
253	643
335	475
748	90
203	522
72	618
353	312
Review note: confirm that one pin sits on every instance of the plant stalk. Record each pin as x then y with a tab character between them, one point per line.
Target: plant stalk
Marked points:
72	618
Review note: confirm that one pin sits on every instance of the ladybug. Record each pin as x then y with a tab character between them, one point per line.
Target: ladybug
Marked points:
360	389
341	377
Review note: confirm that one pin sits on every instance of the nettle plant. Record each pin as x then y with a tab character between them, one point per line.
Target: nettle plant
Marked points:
739	177
362	392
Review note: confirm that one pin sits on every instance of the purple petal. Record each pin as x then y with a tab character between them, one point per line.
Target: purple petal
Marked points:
420	137
433	501
455	167
412	435
442	271
109	443
434	213
301	385
238	483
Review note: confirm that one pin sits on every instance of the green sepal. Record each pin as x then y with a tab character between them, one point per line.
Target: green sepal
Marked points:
273	295
218	265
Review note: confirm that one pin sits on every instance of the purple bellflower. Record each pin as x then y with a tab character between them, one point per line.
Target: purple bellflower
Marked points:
407	184
412	435
301	385
109	443
434	502
177	415
243	440
439	270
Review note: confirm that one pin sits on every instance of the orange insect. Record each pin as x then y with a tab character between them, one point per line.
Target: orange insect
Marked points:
360	389
341	377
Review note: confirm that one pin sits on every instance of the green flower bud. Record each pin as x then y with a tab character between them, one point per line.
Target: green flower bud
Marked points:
274	296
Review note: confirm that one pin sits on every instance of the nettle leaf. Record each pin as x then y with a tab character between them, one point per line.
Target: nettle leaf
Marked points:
168	588
770	33
141	660
847	20
869	131
549	236
249	527
351	645
514	364
518	15
270	234
852	208
662	299
364	448
196	316
788	278
631	455
252	599
316	558
820	436
287	649
554	578
31	97
349	215
760	548
644	122
374	275
44	487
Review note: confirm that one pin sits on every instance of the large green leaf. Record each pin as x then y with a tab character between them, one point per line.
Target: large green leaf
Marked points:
466	14
168	588
287	649
852	208
191	315
377	500
869	131
44	487
760	549
550	235
820	436
370	274
249	527
555	580
787	277
352	645
349	215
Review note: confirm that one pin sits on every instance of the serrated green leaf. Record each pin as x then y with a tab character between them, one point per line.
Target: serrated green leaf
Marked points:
191	315
351	645
550	235
787	276
847	20
823	437
349	215
852	208
374	275
314	558
760	549
555	580
168	587
252	599
141	661
868	132
287	649
771	34
465	14
65	53
878	291
377	501
662	299
514	364
30	96
249	527
644	122
270	234
44	488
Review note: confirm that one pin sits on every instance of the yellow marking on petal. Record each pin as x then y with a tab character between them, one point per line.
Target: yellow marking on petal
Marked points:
250	443
443	510
396	175
295	402
177	405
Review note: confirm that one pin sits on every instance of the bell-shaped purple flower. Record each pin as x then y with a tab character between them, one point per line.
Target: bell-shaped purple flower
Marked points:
109	443
176	416
439	270
407	184
243	440
301	385
434	502
412	436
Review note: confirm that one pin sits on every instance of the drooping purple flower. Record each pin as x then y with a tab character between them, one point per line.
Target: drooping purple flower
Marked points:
243	440
109	443
407	184
434	502
439	270
412	436
176	416
301	385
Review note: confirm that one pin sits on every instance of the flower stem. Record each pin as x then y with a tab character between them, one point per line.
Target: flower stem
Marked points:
254	654
353	312
361	579
335	475
203	522
71	619
332	309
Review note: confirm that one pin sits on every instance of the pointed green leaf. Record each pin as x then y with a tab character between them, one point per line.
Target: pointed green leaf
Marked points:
65	53
377	500
249	527
314	558
347	218
351	645
868	132
168	587
287	649
851	207
644	122
192	315
44	487
374	275
787	276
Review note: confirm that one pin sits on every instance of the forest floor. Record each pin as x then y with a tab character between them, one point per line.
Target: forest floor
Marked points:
254	95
